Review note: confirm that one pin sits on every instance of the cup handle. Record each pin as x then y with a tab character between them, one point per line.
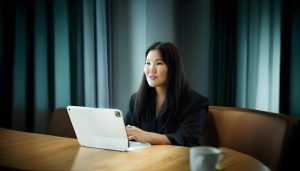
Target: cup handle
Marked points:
221	157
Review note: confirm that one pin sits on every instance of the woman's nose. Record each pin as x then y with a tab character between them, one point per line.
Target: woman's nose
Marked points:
152	68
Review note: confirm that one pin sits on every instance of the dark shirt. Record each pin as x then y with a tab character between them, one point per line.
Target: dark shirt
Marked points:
185	129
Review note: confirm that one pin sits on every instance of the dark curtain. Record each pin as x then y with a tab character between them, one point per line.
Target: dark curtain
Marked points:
223	53
290	58
9	22
289	74
7	11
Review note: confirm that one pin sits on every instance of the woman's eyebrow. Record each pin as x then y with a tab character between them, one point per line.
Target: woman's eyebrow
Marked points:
154	60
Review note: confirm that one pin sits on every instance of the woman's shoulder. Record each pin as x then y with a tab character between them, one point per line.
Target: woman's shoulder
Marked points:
133	95
192	95
132	99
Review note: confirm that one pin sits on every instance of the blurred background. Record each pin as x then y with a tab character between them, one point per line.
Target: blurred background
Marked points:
54	53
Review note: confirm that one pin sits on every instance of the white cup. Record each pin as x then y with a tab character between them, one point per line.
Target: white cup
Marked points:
205	158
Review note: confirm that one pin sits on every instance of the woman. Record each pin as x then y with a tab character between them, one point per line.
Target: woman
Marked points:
165	110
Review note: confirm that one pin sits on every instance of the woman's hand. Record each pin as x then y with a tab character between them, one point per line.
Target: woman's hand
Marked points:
137	134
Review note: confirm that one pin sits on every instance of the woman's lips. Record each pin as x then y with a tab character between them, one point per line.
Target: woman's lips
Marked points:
152	77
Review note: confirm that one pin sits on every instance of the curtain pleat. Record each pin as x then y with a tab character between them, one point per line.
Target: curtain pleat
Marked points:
102	56
89	54
20	67
62	82
76	52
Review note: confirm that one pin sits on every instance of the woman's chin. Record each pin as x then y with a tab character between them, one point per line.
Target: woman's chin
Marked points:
152	85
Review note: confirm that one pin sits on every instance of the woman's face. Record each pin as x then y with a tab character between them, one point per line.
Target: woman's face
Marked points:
155	70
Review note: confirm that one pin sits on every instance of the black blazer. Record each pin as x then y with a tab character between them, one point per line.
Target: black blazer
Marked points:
185	129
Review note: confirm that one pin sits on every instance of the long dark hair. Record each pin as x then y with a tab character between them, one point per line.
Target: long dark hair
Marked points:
176	86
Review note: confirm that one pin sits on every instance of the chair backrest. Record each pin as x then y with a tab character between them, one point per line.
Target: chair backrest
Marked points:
263	135
60	124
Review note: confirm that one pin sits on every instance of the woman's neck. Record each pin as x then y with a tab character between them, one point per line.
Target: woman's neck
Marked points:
160	97
160	92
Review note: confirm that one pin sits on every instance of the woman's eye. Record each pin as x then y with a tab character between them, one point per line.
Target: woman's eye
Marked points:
159	63
147	63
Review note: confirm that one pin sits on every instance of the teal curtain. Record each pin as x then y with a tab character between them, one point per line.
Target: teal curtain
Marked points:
245	54
258	54
54	52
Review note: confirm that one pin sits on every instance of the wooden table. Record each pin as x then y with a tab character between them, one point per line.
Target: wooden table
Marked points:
31	151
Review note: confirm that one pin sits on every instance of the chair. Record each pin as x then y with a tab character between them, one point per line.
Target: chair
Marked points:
60	124
263	135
